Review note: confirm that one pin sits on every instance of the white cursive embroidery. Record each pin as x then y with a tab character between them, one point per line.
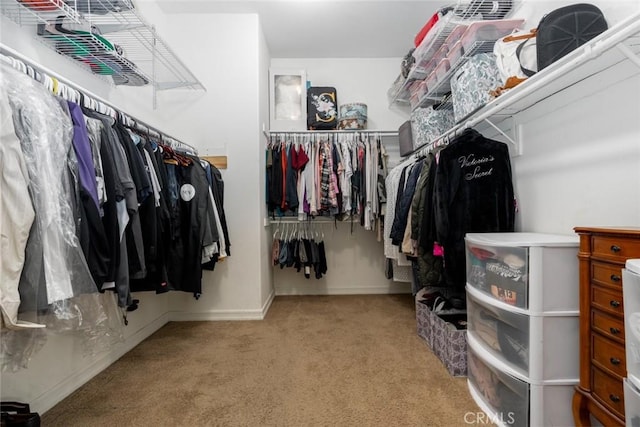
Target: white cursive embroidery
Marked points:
478	173
471	161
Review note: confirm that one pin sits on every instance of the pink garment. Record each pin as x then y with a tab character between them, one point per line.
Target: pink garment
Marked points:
438	250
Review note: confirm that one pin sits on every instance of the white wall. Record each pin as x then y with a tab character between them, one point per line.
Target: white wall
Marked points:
225	120
581	163
266	291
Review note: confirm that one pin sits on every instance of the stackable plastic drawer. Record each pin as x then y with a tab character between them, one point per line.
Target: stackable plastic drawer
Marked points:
532	271
536	348
509	401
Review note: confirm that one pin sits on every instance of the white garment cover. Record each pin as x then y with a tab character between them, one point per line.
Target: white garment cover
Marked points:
16	217
45	133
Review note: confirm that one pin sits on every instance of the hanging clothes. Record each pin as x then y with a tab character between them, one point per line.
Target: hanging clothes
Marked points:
91	233
45	132
429	266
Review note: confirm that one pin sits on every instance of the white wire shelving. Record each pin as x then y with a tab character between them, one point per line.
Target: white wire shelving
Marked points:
617	48
115	42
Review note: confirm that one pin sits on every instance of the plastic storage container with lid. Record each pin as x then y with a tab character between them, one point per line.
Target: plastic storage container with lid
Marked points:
486	33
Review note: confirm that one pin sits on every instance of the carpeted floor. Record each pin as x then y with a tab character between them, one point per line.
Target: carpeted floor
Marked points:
314	361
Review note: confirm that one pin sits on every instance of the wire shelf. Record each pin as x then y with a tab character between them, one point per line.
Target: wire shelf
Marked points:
106	37
24	12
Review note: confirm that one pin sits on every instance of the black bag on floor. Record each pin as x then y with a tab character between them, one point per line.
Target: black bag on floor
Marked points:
322	108
565	29
17	414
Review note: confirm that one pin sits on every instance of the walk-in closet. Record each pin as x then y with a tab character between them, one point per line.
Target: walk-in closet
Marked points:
306	213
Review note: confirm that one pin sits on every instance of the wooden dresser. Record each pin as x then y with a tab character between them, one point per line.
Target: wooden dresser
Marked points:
602	255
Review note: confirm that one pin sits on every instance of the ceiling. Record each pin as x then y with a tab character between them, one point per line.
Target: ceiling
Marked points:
327	28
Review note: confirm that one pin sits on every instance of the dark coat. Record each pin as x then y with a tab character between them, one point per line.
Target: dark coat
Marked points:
473	194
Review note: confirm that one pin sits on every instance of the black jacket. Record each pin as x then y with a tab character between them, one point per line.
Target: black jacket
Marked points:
473	193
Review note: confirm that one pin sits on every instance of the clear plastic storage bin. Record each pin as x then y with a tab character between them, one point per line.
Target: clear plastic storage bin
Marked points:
487	32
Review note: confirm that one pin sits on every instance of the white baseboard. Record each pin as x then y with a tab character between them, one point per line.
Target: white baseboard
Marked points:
54	395
250	314
267	303
373	290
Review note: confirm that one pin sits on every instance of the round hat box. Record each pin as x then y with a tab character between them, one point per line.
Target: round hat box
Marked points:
356	110
352	123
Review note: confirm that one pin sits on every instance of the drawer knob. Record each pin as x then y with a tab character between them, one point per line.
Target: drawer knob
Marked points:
615	248
615	278
614	398
614	361
614	303
614	331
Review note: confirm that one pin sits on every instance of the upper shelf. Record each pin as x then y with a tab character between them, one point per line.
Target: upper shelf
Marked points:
620	43
618	47
108	37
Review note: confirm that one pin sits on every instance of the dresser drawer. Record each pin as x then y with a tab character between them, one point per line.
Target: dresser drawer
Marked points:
608	326
609	355
608	300
617	249
606	274
608	390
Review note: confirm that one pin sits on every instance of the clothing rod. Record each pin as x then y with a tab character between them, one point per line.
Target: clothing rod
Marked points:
4	49
338	132
313	221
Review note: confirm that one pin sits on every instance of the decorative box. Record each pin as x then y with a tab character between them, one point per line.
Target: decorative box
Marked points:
472	83
352	123
427	124
450	342
424	322
443	337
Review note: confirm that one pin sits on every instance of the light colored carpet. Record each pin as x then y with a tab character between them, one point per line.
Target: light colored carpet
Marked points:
314	361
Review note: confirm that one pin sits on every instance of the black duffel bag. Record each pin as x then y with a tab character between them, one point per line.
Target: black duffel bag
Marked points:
565	29
17	414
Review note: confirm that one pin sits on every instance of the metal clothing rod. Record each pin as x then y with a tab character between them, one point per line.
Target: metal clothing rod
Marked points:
47	71
339	132
314	221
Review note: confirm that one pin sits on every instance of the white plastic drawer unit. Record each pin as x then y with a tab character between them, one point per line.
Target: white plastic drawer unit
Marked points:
532	348
632	401
533	271
631	301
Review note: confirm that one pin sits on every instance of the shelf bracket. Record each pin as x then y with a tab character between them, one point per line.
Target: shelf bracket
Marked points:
516	143
629	53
